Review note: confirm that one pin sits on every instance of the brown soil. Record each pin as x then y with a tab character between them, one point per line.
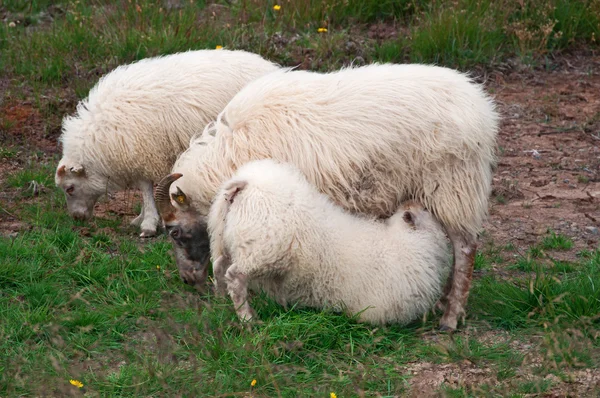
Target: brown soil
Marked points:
548	174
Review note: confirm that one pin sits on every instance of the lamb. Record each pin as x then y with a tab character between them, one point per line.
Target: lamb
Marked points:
370	138
271	230
139	117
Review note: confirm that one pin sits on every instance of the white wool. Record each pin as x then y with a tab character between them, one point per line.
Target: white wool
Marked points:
139	117
291	241
369	137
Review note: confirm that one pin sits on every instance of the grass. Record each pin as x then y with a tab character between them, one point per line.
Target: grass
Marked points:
91	302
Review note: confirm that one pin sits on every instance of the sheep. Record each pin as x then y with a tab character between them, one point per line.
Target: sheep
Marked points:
370	138
139	117
271	230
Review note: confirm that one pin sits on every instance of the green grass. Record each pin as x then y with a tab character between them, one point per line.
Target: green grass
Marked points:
556	242
100	306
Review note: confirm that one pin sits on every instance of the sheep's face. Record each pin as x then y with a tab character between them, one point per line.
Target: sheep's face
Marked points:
191	235
188	232
191	241
81	190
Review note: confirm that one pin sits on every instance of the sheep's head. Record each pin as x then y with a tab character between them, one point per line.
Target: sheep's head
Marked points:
82	189
188	231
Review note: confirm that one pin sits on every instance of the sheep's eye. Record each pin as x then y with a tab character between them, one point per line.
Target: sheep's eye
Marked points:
70	190
174	233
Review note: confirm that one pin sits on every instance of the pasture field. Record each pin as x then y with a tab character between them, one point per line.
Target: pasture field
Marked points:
94	304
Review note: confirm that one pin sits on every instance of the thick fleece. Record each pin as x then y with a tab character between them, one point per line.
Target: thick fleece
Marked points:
276	232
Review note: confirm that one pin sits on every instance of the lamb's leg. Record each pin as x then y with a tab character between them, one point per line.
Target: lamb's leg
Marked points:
457	289
220	267
151	217
237	285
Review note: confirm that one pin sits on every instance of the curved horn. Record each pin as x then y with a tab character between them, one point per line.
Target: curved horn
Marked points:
161	197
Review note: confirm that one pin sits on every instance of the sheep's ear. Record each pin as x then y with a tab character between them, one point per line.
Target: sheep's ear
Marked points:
233	189
78	170
61	171
180	198
409	218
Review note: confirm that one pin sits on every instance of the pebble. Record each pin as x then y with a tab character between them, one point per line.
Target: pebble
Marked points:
592	230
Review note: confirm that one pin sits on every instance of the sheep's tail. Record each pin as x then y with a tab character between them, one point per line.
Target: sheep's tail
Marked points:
217	218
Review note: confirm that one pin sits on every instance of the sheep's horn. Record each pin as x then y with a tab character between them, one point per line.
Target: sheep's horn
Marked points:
161	197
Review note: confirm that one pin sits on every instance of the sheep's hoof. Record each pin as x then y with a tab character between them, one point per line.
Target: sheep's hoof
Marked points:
446	328
147	233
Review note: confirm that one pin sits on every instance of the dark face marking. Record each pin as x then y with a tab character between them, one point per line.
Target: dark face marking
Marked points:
192	238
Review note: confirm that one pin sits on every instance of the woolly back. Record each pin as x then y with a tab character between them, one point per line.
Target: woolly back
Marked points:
152	107
373	136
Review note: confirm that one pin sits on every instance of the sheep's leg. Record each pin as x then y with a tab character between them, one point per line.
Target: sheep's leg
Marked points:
136	222
151	217
456	291
220	267
237	285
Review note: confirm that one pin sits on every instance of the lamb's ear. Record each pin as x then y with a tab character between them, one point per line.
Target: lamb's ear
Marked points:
78	170
409	218
233	189
180	198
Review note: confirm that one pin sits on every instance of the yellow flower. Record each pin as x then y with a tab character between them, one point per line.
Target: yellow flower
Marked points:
253	383
332	395
76	383
218	48
277	7
322	30
158	267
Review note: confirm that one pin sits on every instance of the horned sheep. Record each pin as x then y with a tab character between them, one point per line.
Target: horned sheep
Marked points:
271	230
369	137
139	117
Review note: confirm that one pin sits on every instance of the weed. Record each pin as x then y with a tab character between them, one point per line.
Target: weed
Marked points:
556	242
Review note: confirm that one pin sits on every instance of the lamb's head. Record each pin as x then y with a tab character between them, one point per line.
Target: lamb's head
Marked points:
188	231
82	188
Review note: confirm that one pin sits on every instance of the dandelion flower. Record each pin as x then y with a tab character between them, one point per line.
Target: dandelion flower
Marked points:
12	24
158	267
76	383
277	7
332	395
218	48
253	383
322	30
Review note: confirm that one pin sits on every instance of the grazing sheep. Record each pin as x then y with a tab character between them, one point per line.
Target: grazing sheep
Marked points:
139	117
271	230
370	138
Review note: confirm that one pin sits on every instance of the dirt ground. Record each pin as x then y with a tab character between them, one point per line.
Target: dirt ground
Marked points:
548	172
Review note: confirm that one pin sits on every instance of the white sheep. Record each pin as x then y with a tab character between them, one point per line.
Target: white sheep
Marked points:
139	117
271	230
370	138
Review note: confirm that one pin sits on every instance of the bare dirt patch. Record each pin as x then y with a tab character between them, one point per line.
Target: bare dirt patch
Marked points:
548	174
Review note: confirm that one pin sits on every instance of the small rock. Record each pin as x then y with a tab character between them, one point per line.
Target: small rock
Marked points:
552	378
592	230
539	183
